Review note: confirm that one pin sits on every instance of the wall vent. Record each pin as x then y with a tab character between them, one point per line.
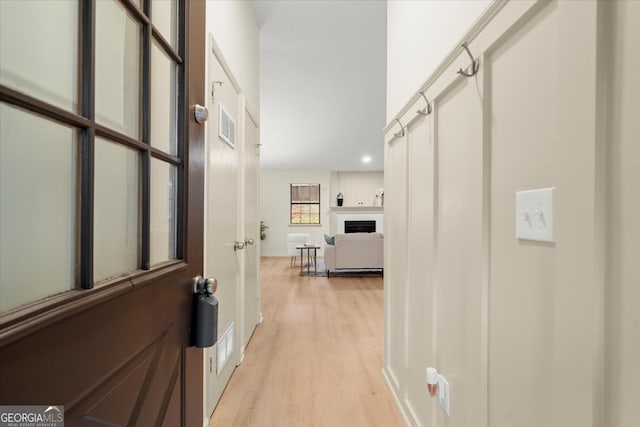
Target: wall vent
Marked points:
226	127
225	348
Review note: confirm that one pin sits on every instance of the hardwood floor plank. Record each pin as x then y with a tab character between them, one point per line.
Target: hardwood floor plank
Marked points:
316	359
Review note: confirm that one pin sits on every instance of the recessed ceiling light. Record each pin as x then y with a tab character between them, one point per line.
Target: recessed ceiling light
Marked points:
366	159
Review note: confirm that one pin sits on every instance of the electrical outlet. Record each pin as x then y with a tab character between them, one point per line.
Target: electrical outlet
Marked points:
432	381
444	395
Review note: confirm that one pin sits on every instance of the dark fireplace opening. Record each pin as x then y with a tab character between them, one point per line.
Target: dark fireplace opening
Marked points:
360	226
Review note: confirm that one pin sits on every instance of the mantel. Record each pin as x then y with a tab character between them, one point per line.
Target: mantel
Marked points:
357	208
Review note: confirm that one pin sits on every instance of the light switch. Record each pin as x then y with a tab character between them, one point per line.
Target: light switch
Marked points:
534	215
444	394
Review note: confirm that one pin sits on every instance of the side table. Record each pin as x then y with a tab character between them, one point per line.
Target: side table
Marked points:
308	247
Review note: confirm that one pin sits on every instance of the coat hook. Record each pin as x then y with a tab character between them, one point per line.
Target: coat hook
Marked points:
213	87
474	63
426	110
401	133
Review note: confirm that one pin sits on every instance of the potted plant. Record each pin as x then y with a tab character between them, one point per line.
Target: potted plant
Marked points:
263	227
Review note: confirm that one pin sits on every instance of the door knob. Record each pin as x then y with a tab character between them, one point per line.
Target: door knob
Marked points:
200	113
238	246
248	242
207	286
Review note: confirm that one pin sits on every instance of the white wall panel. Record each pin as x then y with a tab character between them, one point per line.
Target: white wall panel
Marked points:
395	260
527	333
358	188
622	375
459	251
523	148
420	257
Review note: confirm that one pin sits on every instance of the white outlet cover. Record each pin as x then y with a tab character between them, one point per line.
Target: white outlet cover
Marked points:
444	395
534	215
432	376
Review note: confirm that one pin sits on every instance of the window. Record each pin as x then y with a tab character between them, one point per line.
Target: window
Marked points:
305	203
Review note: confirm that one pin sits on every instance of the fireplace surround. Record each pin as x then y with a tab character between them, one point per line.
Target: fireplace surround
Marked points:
360	226
341	220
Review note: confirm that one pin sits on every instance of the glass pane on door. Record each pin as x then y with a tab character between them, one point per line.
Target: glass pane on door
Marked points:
117	68
39	49
116	210
164	16
163	211
38	205
164	117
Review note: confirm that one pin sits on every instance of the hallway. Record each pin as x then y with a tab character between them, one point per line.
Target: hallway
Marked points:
316	359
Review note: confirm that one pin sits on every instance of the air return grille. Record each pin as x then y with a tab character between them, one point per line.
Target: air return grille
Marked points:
225	348
226	127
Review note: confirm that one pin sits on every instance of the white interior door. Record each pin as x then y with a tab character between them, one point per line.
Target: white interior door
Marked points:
251	294
221	224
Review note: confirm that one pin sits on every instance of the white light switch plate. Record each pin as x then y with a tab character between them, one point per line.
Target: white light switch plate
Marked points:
534	215
444	394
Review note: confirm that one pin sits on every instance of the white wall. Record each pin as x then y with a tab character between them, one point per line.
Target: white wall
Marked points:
527	333
420	35
275	200
235	30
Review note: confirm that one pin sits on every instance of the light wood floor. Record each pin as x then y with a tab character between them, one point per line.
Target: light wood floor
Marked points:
316	359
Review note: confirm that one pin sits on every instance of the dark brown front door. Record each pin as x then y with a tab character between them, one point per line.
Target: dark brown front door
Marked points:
112	342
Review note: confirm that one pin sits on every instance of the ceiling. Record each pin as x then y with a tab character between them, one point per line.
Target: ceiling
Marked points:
322	84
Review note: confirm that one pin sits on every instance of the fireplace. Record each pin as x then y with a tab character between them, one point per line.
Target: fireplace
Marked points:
360	226
357	217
